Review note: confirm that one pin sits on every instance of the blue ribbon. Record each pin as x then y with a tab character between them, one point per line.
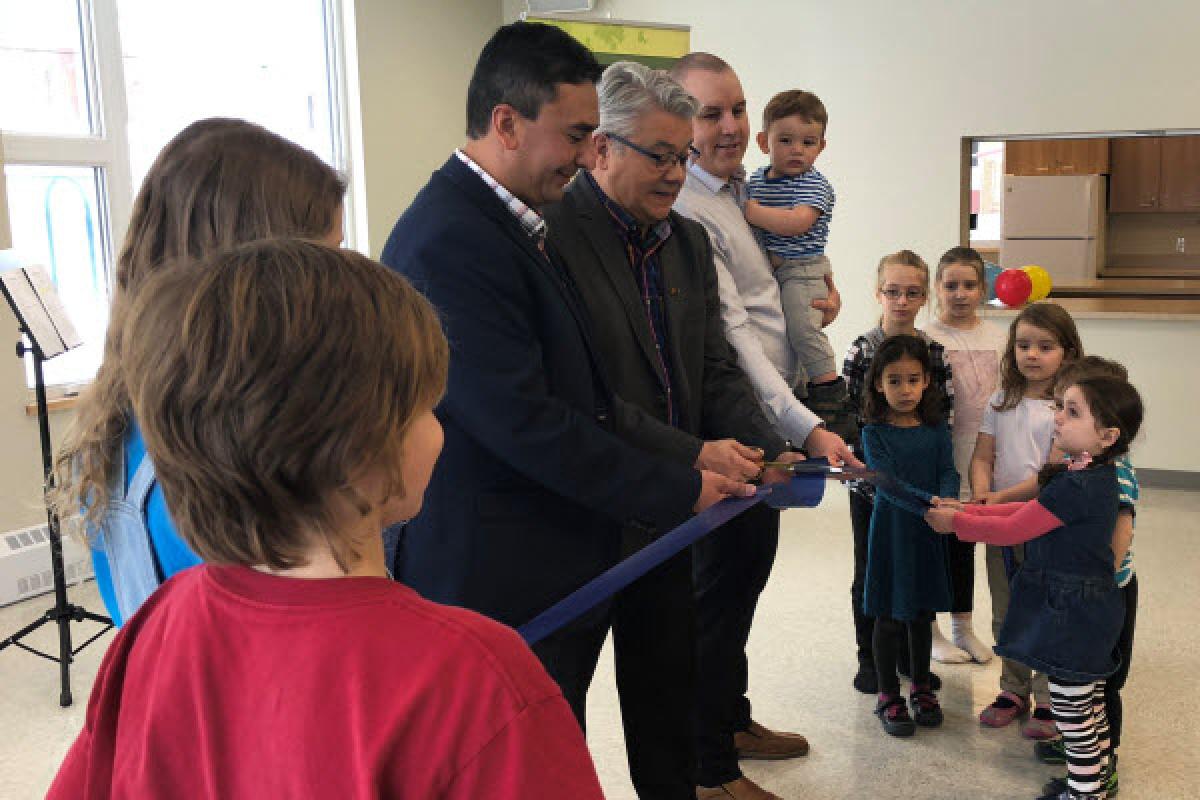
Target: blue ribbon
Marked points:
803	490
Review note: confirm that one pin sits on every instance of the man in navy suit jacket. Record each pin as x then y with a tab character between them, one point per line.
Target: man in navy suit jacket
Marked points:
536	481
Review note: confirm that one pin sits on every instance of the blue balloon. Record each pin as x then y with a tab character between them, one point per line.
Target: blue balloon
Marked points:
991	272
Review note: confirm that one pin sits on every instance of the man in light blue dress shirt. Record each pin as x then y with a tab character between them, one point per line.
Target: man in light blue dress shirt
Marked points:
732	567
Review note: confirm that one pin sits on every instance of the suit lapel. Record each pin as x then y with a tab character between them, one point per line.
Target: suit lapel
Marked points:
482	196
613	261
486	200
675	259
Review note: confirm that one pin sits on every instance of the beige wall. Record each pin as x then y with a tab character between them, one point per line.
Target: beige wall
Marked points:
905	81
414	61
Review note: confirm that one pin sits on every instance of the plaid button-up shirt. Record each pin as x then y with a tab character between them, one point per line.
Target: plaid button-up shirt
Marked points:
531	221
643	248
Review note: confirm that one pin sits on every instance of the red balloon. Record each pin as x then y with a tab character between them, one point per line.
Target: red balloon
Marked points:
1013	287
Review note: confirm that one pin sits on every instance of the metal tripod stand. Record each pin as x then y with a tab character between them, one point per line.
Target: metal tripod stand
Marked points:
63	613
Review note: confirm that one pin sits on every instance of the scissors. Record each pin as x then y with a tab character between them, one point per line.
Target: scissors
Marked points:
906	493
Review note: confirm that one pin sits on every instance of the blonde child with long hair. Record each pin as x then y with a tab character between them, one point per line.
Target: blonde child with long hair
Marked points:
902	286
217	183
973	349
288	664
1016	440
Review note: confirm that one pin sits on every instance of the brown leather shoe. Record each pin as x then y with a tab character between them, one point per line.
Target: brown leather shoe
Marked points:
759	743
741	789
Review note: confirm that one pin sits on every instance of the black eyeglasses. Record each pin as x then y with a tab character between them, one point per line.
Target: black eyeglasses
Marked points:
663	161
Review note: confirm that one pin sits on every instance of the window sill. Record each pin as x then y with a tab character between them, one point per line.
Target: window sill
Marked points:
57	404
1159	309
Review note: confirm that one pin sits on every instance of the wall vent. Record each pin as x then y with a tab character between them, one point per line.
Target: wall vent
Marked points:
25	563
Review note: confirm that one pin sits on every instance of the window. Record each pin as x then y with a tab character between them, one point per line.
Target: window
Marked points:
56	222
987	192
94	88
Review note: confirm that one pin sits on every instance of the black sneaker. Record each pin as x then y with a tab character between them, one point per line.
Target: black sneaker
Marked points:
866	680
1065	794
1050	751
926	710
1111	783
1057	788
1054	787
893	715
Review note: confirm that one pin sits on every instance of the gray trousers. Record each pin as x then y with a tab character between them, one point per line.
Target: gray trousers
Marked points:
1016	678
802	280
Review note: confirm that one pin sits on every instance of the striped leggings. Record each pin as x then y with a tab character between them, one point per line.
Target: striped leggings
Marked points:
1080	714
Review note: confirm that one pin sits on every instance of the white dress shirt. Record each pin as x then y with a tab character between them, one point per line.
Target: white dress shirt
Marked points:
750	305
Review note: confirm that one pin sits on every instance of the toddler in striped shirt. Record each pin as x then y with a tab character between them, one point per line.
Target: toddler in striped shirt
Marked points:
790	204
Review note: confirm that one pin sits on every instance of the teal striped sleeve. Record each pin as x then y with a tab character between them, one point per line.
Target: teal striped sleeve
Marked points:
1127	489
1127	483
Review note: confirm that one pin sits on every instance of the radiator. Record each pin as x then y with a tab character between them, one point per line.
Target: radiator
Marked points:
25	563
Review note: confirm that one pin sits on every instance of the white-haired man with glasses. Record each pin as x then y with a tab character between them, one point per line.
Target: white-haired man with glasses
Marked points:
648	284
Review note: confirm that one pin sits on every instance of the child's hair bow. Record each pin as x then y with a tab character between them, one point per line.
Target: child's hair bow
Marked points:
1079	462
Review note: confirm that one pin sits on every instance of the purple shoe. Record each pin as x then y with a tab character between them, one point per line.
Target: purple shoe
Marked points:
1003	710
1040	725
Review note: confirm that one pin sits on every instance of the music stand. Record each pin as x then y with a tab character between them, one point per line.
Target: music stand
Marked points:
31	296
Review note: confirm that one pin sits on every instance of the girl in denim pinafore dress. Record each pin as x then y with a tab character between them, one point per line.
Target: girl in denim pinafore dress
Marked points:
1066	611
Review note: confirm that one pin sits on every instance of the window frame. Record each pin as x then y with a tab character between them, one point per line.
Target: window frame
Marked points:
106	148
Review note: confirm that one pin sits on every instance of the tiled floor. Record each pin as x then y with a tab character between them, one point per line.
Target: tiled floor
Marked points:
801	663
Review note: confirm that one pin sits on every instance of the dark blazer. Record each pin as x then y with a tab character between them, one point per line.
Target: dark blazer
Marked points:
533	486
713	395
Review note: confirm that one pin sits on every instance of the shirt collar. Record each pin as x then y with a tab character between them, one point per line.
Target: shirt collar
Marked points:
629	226
712	182
531	221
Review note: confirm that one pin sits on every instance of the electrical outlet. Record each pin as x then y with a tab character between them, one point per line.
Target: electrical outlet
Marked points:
1180	245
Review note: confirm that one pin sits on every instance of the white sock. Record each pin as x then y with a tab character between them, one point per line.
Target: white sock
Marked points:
965	638
945	652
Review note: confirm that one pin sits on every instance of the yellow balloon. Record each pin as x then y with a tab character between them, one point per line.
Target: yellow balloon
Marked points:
1040	279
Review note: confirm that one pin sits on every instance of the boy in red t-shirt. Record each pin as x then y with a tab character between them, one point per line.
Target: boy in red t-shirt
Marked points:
285	390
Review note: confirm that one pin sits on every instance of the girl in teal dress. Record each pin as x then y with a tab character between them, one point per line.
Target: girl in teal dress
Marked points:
908	577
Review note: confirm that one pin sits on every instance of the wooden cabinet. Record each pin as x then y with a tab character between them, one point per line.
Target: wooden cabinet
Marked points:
1056	157
1136	174
1155	173
1180	174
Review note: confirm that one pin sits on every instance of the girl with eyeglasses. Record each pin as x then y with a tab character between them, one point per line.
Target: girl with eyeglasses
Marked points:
902	285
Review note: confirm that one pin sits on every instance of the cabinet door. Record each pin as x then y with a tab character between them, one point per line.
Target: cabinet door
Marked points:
1029	157
1081	156
1136	164
1180	174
